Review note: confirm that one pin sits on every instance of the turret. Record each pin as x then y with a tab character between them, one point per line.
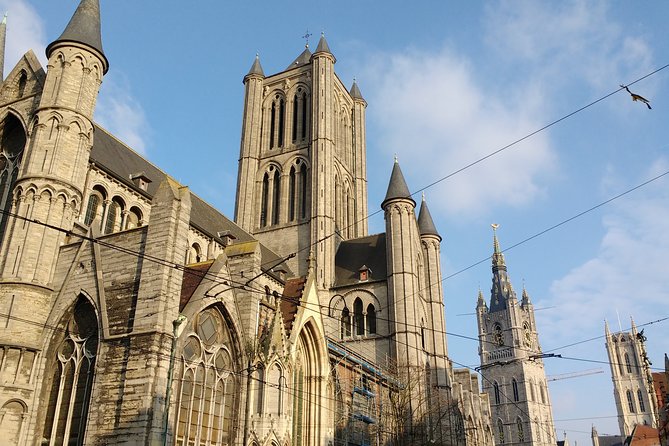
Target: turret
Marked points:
322	156
401	245
249	152
50	185
360	151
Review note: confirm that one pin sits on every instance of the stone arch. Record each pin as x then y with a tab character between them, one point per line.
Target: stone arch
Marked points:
12	421
211	360
72	353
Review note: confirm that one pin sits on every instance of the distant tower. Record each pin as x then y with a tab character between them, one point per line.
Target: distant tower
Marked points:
632	379
302	172
3	35
511	366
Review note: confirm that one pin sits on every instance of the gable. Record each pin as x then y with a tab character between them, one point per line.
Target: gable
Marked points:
25	80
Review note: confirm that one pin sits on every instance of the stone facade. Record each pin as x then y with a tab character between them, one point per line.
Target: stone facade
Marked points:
132	312
511	363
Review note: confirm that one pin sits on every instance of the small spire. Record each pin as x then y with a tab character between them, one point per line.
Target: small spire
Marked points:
355	91
606	328
397	187
526	297
425	223
497	256
311	263
83	28
323	46
481	299
256	68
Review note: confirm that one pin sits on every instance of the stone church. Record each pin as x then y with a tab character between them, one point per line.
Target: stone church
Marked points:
133	312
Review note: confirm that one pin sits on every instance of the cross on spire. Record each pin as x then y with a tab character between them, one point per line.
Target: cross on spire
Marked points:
306	37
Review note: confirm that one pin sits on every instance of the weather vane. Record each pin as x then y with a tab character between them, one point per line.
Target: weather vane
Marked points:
306	37
494	226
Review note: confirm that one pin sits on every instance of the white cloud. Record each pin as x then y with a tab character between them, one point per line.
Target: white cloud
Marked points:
567	41
434	115
120	113
627	276
25	31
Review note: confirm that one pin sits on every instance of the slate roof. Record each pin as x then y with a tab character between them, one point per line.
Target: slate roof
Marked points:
355	91
192	277
323	46
369	251
84	27
397	187
611	440
121	162
303	59
256	68
425	223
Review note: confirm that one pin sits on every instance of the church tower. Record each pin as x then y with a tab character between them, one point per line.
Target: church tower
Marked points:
632	379
511	365
302	173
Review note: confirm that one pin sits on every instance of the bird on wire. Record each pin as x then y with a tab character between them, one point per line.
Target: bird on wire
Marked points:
636	97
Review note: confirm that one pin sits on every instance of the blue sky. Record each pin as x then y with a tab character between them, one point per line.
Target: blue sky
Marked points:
446	83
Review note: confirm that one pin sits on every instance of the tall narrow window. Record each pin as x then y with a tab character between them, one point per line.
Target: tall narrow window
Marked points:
304	116
358	317
272	125
642	406
282	118
345	323
371	319
260	390
495	387
500	431
264	200
303	190
630	401
73	365
627	363
295	118
292	198
23	81
514	385
113	214
92	209
276	197
521	432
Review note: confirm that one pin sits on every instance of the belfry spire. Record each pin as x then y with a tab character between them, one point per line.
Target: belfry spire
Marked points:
84	29
501	291
3	36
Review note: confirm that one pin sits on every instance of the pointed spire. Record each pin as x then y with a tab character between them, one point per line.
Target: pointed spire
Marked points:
634	331
3	36
481	300
323	46
526	297
355	91
397	188
501	291
425	222
256	68
497	256
83	28
606	328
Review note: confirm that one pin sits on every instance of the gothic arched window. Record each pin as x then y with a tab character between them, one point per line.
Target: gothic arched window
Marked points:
134	218
358	317
642	406
72	365
371	319
113	221
495	387
500	431
264	200
521	432
277	122
514	385
630	402
208	398
23	81
12	143
276	197
627	363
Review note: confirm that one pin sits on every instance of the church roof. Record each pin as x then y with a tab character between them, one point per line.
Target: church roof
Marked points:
292	295
610	440
397	187
120	161
369	251
303	59
192	277
256	68
425	223
84	28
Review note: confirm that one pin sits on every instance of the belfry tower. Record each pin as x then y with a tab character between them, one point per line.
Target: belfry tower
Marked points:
632	379
302	169
511	365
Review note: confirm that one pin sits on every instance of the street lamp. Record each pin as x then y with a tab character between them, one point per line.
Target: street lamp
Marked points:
178	326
